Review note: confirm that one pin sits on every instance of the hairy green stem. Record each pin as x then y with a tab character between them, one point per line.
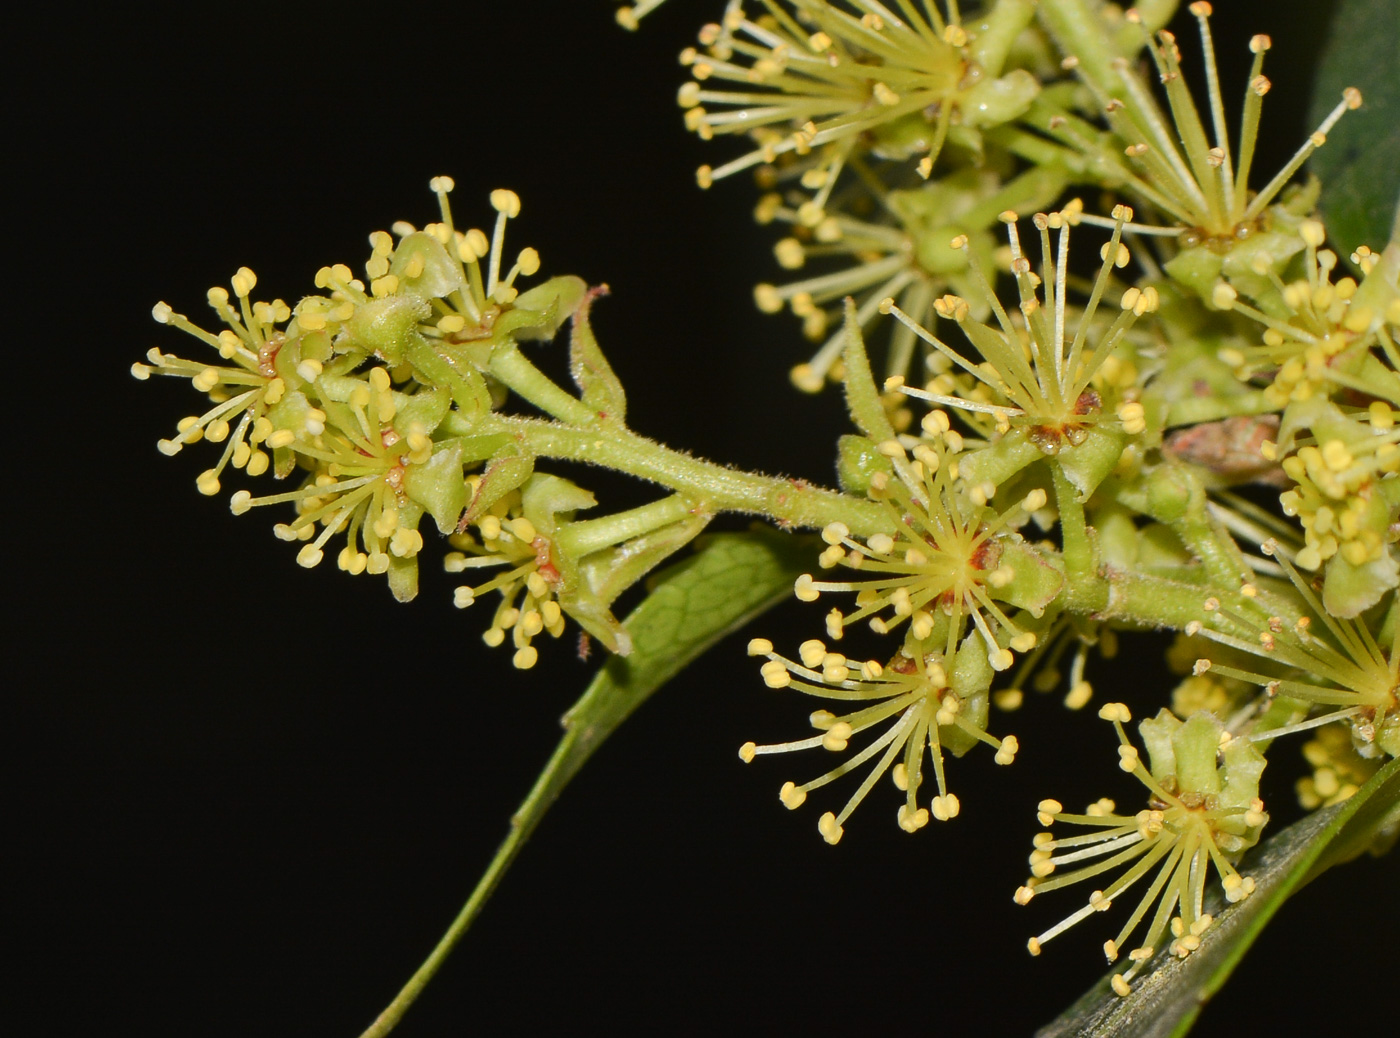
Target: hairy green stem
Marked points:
516	371
715	488
1085	590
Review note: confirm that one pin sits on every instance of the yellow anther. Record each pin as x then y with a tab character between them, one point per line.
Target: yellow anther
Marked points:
508	202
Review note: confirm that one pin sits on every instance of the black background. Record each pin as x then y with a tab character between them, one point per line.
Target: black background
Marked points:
246	799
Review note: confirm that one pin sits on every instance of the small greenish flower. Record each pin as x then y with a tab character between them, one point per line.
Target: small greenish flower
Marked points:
375	470
1321	658
952	559
1203	811
252	410
1341	482
1338	770
1187	175
1041	390
1325	336
830	80
516	532
923	704
902	252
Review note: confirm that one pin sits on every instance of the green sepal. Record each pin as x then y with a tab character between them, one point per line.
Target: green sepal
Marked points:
1388	735
857	461
970	677
548	501
1196	268
506	471
1379	289
993	35
599	388
589	612
441	274
554	302
335	388
420	412
1349	590
1089	464
460	378
999	460
1196	744
437	485
284	462
1157	733
1036	582
862	395
1276	248
1242	765
290	411
403	572
388	326
315	345
996	101
1027	192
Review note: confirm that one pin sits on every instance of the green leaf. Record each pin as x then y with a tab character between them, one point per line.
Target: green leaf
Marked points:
1166	1000
1360	164
731	579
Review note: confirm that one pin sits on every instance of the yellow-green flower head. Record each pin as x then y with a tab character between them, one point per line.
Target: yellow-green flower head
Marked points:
902	253
1203	810
445	285
305	386
375	471
1338	770
1330	661
915	695
832	79
950	561
1174	165
527	586
517	531
1050	387
263	386
1346	496
1324	336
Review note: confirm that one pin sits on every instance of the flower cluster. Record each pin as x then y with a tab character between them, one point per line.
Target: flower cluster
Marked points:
378	395
1317	657
1331	337
1050	388
1204	811
925	703
901	252
347	389
1169	161
830	82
